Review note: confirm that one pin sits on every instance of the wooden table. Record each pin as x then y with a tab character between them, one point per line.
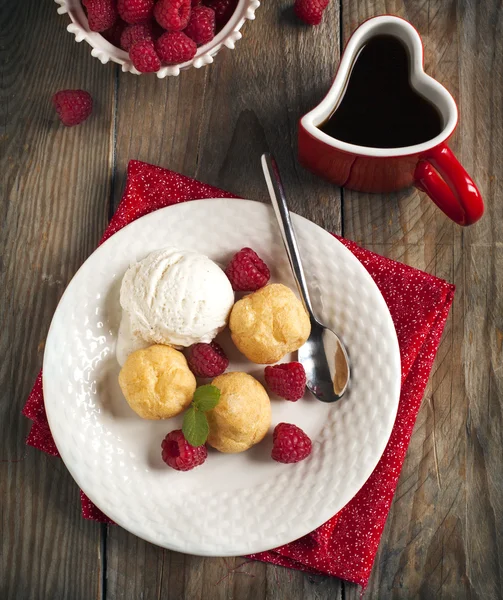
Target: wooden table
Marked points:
444	534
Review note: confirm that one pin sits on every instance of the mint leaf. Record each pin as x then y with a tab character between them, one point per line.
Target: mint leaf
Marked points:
206	397
195	427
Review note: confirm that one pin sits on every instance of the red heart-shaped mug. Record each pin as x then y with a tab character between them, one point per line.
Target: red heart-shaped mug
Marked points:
430	165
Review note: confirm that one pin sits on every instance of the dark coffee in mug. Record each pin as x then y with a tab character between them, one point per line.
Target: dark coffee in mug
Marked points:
379	108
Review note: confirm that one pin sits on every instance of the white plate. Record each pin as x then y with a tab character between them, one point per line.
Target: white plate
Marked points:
235	503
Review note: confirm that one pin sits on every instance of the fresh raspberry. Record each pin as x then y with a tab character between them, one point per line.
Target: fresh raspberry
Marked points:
135	33
135	11
179	454
287	381
247	272
174	48
72	106
207	360
113	34
173	15
196	2
290	444
144	57
201	27
310	11
101	14
223	10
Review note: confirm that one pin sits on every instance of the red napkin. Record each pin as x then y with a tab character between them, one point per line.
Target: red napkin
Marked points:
345	546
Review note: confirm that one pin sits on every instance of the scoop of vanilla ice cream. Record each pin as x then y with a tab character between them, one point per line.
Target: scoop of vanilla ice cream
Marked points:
175	297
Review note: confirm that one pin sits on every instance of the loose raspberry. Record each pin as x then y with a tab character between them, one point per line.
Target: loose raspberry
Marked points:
207	360
101	14
135	11
144	57
223	10
201	27
247	272
179	454
72	106
114	33
310	11
174	48
135	33
173	15
290	444
287	381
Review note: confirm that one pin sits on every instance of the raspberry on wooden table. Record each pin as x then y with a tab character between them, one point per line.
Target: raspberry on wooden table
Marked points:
223	10
310	11
173	15
72	106
247	272
201	27
144	57
179	454
207	360
290	444
135	11
287	380
135	33
101	14
176	47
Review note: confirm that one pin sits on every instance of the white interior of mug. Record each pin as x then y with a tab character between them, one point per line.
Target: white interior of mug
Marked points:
425	85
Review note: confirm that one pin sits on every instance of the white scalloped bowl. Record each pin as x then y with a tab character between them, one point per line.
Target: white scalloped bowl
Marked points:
104	51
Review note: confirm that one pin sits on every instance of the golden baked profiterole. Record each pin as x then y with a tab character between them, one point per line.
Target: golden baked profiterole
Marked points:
269	323
243	414
157	382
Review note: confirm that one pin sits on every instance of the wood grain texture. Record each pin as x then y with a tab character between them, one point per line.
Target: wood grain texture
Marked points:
444	535
443	538
51	220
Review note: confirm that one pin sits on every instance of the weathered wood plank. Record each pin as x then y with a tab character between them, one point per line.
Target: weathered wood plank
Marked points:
213	124
55	192
443	538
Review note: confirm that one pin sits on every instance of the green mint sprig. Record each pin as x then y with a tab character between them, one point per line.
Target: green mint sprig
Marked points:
195	426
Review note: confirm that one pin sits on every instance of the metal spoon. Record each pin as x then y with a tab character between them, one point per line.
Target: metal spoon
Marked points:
323	356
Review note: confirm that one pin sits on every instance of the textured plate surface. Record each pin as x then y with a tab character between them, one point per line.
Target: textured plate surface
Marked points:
233	504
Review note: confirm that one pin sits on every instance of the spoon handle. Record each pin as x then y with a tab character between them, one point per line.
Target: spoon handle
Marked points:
278	199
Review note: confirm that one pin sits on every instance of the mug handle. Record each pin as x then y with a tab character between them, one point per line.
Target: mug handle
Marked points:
442	177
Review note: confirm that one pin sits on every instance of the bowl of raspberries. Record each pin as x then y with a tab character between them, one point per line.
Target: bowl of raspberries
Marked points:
158	36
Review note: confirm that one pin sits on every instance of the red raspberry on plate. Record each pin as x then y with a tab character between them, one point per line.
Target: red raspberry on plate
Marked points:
135	11
310	11
101	14
201	27
223	10
144	57
290	444
113	34
174	48
135	33
173	15
247	272
72	106
179	454
287	380
207	360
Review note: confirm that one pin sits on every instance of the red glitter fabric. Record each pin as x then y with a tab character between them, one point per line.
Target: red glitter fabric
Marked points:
345	546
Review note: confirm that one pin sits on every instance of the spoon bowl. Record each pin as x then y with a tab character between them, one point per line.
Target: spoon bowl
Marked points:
326	363
323	356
